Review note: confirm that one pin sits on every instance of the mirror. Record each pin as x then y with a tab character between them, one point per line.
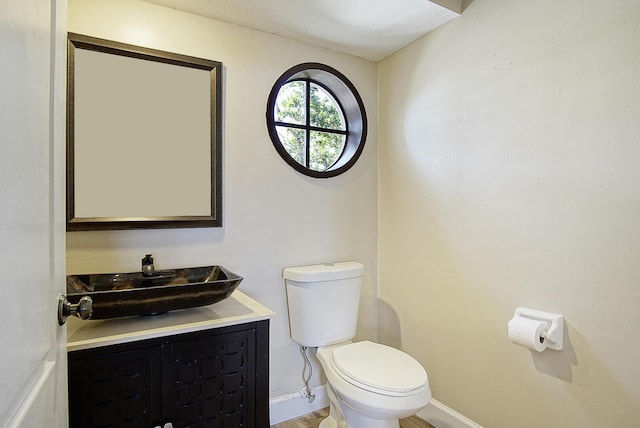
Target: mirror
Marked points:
144	138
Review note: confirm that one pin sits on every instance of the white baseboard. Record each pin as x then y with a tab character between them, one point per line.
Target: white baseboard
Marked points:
291	406
441	416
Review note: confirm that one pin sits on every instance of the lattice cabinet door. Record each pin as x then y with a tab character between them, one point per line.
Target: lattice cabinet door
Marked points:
217	378
210	381
119	389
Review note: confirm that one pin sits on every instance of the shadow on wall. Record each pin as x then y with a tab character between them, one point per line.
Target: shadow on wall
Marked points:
589	374
586	372
466	4
557	363
575	365
388	326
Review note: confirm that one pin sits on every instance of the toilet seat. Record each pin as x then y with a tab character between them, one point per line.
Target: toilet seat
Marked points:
379	368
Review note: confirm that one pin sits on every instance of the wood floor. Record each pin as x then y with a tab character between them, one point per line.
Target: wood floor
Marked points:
312	420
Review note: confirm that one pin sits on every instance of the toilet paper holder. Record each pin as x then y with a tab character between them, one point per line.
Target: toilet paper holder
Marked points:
554	334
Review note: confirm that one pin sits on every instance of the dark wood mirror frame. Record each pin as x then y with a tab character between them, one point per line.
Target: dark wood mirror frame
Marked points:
211	214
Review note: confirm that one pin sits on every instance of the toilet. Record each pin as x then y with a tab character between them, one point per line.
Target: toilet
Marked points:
369	385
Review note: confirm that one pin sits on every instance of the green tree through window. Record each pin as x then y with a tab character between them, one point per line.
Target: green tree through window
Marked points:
310	124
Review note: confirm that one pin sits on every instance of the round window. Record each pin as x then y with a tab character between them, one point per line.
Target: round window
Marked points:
316	120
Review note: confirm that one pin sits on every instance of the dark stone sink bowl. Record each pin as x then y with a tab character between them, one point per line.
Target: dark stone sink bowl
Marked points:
124	294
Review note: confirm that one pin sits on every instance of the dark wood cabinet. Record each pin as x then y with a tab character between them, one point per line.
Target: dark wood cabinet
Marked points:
213	378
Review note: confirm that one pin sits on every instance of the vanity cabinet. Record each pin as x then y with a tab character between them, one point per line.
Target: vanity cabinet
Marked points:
212	378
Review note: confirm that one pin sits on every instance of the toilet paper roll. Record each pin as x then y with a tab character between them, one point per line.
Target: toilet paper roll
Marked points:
528	332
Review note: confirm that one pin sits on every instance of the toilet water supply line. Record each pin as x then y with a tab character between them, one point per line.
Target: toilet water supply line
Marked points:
307	371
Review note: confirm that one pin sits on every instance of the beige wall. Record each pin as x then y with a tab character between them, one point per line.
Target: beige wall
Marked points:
510	176
273	216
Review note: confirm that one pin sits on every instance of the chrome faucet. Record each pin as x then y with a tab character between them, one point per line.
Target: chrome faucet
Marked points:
147	266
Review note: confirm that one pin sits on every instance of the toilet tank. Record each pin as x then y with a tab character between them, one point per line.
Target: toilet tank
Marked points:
323	302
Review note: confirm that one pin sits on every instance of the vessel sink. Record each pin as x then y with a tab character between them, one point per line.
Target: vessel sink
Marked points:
124	294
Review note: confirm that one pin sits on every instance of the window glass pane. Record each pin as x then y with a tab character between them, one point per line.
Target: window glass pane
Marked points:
325	149
290	103
292	140
325	112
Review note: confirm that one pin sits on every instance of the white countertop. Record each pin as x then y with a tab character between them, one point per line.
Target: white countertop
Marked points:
236	309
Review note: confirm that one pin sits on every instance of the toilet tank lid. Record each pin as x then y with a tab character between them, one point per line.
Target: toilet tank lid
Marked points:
324	272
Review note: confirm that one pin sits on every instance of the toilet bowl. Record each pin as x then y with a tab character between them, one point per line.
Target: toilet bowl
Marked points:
373	385
369	385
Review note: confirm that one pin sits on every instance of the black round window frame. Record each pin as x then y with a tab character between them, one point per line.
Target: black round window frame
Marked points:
348	99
